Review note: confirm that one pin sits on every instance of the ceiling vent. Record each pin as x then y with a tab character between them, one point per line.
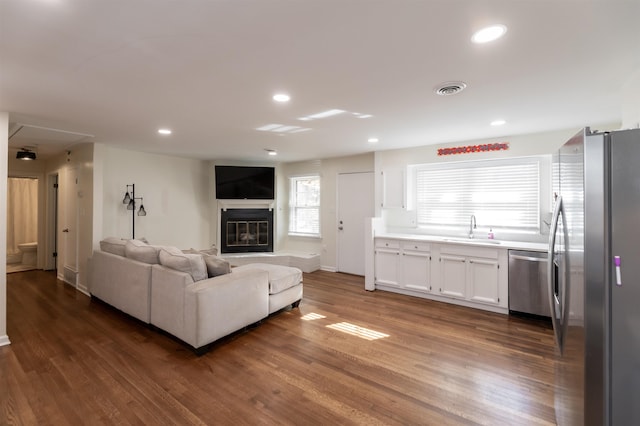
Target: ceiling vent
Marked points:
450	88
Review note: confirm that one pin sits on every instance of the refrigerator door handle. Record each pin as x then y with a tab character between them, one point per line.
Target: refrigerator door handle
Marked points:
552	272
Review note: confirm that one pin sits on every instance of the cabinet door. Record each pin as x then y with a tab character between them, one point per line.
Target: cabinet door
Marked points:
416	268
393	189
483	281
386	265
453	276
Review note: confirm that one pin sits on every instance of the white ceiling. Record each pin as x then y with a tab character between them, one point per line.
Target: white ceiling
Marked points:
121	69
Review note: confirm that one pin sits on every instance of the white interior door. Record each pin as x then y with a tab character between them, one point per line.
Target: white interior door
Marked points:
355	203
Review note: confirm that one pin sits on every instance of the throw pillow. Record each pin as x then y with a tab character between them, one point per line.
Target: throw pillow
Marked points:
192	264
113	245
142	252
213	251
210	252
216	265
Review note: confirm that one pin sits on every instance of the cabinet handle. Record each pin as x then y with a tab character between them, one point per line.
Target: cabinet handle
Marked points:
471	261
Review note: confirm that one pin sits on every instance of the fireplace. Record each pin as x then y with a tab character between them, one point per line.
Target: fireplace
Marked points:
246	230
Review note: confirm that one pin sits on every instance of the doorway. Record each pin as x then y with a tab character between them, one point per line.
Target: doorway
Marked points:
355	204
22	224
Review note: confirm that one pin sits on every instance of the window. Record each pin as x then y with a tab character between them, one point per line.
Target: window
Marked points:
304	206
500	193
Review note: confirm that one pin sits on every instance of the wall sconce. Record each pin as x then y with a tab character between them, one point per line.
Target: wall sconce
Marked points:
130	201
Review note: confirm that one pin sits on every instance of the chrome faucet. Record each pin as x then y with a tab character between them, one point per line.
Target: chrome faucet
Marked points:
472	225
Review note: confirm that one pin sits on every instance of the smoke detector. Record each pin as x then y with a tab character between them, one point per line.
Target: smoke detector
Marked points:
450	88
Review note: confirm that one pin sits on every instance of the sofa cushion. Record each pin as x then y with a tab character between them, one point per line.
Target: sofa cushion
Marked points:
280	277
216	265
192	264
142	252
113	245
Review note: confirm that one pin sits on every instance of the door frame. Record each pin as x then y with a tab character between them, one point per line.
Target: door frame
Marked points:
51	240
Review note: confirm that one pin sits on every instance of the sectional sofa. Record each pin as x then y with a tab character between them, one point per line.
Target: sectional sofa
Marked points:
191	294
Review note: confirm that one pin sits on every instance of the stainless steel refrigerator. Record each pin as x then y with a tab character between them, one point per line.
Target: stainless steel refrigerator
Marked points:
594	278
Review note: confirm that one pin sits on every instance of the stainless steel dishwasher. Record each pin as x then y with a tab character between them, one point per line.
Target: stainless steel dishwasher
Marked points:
528	289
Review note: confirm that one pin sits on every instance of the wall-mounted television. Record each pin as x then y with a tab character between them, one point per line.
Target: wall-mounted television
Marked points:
245	183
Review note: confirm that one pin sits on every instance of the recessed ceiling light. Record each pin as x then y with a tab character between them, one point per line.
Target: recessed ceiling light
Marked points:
281	97
488	34
164	131
271	151
373	140
498	122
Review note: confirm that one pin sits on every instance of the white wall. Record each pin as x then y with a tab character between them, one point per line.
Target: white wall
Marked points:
631	103
4	149
328	170
175	191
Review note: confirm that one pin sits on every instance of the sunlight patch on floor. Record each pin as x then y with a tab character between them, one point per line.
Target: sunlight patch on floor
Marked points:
312	316
358	331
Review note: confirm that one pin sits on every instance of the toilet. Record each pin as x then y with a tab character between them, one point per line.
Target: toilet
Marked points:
29	253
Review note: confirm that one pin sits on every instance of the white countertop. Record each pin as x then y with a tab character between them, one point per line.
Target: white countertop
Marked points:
478	242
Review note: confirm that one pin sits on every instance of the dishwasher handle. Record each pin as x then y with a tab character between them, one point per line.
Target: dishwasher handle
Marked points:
529	258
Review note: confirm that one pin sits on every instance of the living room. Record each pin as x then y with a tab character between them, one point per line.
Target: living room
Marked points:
116	144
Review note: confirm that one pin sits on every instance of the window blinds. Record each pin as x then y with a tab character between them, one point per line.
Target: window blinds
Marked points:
304	205
499	195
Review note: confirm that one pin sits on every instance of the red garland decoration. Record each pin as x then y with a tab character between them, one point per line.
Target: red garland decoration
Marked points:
474	148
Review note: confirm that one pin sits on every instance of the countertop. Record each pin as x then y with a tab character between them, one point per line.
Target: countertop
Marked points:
476	242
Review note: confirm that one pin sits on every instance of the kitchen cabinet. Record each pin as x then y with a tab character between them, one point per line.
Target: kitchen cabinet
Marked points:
455	273
387	262
393	189
470	273
453	276
416	266
483	280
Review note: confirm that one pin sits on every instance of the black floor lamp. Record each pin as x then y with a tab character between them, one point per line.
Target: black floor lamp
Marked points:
130	201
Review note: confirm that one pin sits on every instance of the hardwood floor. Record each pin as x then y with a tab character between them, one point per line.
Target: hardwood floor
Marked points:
74	361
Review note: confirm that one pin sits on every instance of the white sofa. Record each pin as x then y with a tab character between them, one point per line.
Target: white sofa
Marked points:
130	277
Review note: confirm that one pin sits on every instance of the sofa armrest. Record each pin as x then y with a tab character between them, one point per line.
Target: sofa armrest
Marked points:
219	306
168	287
121	282
201	312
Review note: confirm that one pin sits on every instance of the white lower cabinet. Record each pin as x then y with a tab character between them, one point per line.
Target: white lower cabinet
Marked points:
387	263
453	276
457	273
416	267
483	280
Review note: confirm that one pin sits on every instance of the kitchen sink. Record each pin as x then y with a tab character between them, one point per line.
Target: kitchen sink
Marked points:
471	241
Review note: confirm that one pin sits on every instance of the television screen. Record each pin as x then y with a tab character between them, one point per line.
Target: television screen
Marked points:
245	183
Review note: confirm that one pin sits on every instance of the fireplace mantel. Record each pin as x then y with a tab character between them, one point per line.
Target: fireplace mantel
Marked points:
245	204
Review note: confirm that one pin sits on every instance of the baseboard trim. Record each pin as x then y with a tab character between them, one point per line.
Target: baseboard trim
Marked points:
84	290
328	268
4	340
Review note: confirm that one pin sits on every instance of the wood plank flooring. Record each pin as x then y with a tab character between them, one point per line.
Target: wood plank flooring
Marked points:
75	361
